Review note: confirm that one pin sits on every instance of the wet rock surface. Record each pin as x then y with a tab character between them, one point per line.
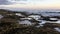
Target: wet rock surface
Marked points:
21	23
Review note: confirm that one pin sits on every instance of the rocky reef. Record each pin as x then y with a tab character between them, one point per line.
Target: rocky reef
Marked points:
23	23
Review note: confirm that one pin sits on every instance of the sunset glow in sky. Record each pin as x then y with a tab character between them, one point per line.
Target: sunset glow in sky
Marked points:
35	4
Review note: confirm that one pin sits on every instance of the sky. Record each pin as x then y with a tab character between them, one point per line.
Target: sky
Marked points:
32	4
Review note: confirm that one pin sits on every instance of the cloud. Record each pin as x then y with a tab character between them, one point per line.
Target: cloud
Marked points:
18	1
4	2
10	2
30	4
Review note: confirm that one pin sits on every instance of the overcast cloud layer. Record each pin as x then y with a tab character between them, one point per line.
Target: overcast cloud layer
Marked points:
4	2
8	2
34	4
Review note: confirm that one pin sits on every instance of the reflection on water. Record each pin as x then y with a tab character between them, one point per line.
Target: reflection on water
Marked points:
1	16
26	22
41	22
36	18
57	29
58	21
32	23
